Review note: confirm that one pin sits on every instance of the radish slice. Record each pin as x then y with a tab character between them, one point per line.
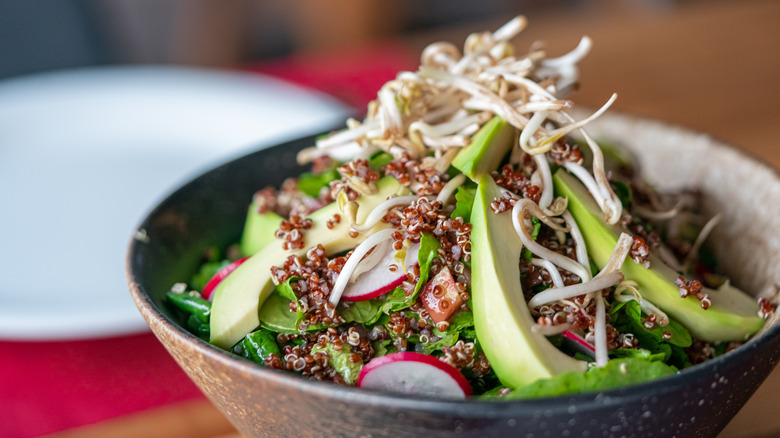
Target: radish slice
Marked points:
414	373
208	290
577	343
380	280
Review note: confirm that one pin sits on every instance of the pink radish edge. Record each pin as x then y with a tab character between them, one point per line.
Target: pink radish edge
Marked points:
407	356
208	290
392	281
379	292
579	340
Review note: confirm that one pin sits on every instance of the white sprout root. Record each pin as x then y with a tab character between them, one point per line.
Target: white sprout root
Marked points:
526	207
380	211
352	262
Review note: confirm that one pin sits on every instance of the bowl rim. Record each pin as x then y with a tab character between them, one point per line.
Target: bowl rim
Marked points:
497	407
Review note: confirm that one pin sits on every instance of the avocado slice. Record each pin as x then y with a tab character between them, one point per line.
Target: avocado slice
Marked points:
502	320
237	300
259	230
733	315
488	147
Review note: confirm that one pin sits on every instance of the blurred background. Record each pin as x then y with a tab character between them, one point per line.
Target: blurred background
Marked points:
711	65
49	34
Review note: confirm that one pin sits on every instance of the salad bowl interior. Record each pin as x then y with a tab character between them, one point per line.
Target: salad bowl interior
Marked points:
210	211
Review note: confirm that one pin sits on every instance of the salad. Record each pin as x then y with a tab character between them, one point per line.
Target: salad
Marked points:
469	238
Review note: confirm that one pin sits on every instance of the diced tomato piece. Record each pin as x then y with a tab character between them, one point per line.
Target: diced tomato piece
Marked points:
441	297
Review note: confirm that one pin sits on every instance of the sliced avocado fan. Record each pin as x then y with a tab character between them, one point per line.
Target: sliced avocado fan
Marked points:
733	315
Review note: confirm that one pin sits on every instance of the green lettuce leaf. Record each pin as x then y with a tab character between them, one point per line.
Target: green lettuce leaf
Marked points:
206	271
616	373
464	200
627	317
633	318
312	183
379	160
537	224
341	362
429	250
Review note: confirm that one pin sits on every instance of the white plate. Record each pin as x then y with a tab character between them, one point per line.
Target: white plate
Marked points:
85	153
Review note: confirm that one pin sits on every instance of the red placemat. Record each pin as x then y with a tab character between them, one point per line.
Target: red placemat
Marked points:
50	386
47	387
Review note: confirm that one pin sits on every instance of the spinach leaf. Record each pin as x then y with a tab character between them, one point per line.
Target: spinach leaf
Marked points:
638	353
275	314
616	373
312	183
429	250
363	312
379	160
256	346
464	201
633	318
627	317
382	348
537	224
460	327
206	271
192	305
623	192
341	362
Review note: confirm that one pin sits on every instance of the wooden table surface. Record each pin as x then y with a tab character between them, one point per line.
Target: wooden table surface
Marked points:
710	65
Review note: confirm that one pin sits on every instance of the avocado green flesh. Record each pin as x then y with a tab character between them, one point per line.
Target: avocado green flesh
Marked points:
488	147
733	314
259	230
502	320
238	298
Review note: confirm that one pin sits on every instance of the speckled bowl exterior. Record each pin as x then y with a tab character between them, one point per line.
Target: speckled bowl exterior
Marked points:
210	210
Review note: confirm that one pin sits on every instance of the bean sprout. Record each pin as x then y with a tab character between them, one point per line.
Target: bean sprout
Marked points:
352	262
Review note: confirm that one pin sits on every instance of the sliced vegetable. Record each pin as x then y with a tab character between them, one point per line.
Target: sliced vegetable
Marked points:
732	316
617	373
219	276
238	299
258	345
441	296
259	230
414	373
385	276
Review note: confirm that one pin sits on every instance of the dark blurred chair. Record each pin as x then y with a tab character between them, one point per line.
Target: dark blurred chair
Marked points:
39	35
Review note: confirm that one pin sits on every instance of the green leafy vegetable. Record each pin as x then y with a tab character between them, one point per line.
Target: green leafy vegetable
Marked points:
275	314
637	353
429	250
632	319
199	328
379	160
363	312
623	192
341	362
616	373
537	224
206	271
311	183
464	200
627	317
258	345
191	304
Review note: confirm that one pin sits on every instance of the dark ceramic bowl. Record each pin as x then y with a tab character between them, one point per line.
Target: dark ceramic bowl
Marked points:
261	402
